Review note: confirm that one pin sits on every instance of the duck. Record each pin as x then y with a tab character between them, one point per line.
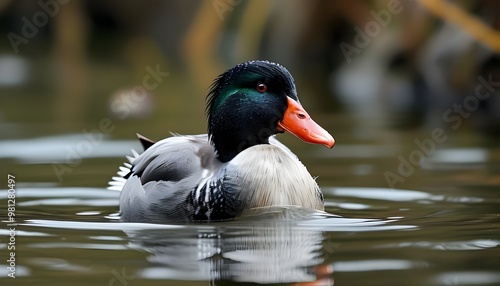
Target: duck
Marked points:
238	166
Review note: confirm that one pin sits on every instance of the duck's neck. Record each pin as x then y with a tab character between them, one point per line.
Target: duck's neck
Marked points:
230	142
237	124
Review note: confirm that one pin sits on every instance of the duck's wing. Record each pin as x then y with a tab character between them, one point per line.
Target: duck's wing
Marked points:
146	142
154	163
162	181
175	158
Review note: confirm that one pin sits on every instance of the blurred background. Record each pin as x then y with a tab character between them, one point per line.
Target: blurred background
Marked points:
377	74
409	89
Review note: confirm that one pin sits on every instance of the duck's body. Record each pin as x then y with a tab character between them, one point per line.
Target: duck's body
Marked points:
180	178
237	167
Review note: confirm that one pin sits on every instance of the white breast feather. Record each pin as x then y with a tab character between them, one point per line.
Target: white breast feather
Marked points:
276	177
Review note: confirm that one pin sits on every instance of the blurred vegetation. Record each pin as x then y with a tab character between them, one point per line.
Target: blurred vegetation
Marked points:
79	57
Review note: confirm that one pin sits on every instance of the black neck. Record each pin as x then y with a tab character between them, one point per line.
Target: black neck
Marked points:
229	143
234	127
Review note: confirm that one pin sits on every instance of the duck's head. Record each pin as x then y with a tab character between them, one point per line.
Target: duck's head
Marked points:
252	101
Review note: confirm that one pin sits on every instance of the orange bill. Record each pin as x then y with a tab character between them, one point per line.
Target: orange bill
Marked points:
297	122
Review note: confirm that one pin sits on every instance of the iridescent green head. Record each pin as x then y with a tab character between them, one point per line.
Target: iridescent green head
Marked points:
248	103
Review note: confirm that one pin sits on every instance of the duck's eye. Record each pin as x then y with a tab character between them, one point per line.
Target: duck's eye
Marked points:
261	87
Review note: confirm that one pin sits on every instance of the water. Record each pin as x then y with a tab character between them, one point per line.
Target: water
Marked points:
438	223
443	231
385	236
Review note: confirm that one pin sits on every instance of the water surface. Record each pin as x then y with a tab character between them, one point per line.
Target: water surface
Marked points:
444	231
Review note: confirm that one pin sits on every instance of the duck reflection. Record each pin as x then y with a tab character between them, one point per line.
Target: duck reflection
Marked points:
267	246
